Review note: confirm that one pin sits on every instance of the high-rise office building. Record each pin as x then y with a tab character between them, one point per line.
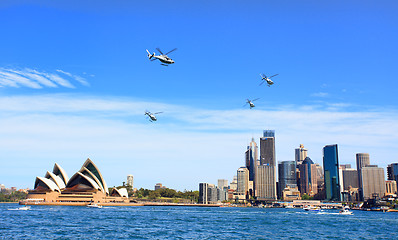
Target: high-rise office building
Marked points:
265	182
267	148
286	175
350	178
267	176
234	184
308	177
222	184
362	161
373	182
331	172
251	156
130	180
300	154
392	171
203	193
243	181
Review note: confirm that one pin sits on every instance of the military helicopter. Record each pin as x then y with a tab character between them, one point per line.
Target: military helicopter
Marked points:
267	79
163	57
250	102
151	116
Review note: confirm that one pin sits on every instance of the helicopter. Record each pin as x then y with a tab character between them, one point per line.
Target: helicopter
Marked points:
151	116
267	79
163	57
250	102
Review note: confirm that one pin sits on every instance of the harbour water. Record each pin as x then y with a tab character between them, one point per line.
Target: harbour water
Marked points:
67	222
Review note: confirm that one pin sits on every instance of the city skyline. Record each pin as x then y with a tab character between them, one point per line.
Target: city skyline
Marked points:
75	83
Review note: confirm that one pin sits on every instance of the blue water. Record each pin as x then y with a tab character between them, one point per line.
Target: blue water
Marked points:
61	222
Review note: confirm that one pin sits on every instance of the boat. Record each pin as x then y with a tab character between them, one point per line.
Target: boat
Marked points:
24	208
94	205
312	208
345	211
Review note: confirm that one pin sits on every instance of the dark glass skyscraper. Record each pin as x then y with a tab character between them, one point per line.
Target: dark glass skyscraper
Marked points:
331	172
267	148
287	175
392	172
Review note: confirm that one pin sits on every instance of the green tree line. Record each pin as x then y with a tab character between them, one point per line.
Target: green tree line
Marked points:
12	197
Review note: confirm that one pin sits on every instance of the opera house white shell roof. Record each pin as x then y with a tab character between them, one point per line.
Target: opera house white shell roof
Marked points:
88	178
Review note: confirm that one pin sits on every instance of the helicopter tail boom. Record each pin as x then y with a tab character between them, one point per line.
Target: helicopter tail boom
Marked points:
149	54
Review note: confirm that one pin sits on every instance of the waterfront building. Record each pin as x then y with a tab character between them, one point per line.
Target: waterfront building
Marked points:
391	188
85	186
300	154
251	156
203	193
2	188
331	172
290	193
350	178
130	180
362	160
286	175
373	182
234	184
392	171
222	184
265	182
308	177
243	181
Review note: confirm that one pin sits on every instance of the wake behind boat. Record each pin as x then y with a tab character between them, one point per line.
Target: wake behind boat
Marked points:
24	208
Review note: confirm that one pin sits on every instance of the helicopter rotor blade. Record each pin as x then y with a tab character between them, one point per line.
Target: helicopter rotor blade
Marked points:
159	51
171	51
255	99
157	112
262	83
274	75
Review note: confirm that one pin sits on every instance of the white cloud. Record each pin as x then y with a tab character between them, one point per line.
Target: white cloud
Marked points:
184	147
320	94
35	79
77	78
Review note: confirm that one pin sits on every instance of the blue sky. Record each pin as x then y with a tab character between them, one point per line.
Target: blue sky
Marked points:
75	82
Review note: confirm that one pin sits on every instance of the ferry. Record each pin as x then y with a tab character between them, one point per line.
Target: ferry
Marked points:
94	205
345	211
312	208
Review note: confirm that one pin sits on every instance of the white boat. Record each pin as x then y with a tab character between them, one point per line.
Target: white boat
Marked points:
94	205
24	208
345	211
312	208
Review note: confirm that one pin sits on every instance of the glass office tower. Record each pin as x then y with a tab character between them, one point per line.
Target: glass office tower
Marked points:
331	172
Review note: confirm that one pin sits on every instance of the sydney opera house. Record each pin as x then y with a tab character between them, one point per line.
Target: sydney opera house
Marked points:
84	187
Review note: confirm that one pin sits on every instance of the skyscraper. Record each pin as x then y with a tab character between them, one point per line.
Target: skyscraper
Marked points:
130	180
251	156
392	171
287	175
243	181
373	182
267	167
300	154
350	178
222	184
265	182
267	148
308	177
203	193
362	161
331	172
